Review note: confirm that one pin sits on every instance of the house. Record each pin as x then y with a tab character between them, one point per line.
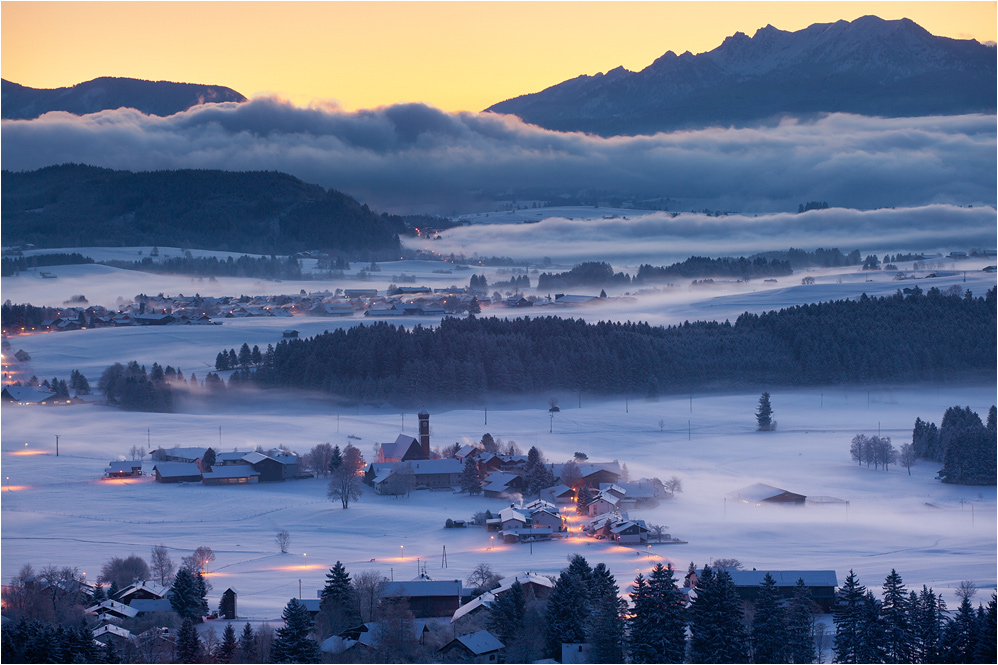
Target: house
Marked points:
112	610
480	647
574	652
558	495
605	502
821	584
151	605
231	474
111	633
123	469
565	299
153	319
177	472
178	454
428	473
403	449
537	522
290	334
146	590
25	395
363	639
428	598
630	532
501	483
273	468
760	493
467	451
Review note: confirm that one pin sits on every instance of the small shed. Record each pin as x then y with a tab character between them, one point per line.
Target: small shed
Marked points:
290	334
760	493
227	605
123	469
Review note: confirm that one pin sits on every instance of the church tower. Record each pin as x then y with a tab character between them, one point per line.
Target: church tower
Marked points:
424	433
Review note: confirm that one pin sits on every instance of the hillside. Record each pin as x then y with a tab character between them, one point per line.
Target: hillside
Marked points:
257	212
868	66
160	98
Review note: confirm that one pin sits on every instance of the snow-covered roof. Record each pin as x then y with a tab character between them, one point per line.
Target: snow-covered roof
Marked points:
182	454
758	492
254	457
112	629
28	394
511	513
231	471
484	600
175	469
112	606
142	605
232	456
123	467
422	588
498	481
523	578
785	578
398	447
481	642
149	586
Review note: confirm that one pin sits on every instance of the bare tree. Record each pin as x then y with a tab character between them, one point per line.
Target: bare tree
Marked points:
512	449
658	530
137	453
368	587
571	475
734	564
283	539
394	638
483	577
661	425
198	560
319	457
907	456
673	486
162	565
966	590
402	480
346	480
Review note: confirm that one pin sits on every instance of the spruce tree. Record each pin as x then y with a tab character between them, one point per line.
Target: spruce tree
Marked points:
872	643
605	626
960	635
764	414
989	628
565	614
669	610
642	624
896	612
226	651
292	643
716	629
506	614
770	637
800	625
247	645
340	607
471	482
848	614
187	597
336	459
188	643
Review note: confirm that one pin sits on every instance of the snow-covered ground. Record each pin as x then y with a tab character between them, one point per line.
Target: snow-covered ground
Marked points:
55	510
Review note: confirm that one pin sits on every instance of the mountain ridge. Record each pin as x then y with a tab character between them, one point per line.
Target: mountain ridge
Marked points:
867	66
160	98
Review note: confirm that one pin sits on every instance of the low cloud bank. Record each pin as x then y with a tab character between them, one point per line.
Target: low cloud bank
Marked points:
412	155
660	237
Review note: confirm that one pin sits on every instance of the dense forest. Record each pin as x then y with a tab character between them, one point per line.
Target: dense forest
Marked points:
919	336
11	265
74	205
598	273
962	443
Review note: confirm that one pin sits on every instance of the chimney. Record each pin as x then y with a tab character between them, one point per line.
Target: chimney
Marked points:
424	433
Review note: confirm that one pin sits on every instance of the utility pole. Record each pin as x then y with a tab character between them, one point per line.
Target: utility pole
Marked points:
56	445
337	423
689	433
626	407
219	438
551	428
486	415
299	588
443	560
149	439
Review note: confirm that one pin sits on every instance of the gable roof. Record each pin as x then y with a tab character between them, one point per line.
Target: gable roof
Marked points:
761	492
231	471
481	642
28	394
177	469
399	447
149	586
422	588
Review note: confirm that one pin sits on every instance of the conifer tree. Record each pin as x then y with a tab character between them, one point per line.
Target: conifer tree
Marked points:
471	482
605	626
770	637
642	624
340	607
506	614
872	643
188	642
247	645
226	651
960	635
764	414
292	643
336	459
566	613
848	613
716	631
800	625
896	612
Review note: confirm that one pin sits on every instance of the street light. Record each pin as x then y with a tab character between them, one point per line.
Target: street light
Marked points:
403	551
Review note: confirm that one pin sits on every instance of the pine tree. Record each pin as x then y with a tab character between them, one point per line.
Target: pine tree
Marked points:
662	618
339	608
800	625
642	625
336	459
506	614
188	642
764	415
770	637
208	460
717	633
565	614
187	599
471	482
605	625
292	643
960	635
871	646
110	654
848	613
247	645
896	612
99	595
226	651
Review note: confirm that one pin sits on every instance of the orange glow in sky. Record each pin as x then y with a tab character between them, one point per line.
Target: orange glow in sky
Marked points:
453	55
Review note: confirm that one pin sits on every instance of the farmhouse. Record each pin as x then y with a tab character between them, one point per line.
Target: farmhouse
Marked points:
429	473
760	493
123	469
428	598
31	395
177	472
231	474
480	647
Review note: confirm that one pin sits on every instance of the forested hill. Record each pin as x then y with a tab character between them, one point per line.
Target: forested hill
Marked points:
258	212
108	92
922	336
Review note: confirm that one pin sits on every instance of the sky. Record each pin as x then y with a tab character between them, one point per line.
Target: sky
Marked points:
456	56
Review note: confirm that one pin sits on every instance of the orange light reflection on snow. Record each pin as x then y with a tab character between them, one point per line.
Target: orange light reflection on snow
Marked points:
308	566
21	453
120	481
15	488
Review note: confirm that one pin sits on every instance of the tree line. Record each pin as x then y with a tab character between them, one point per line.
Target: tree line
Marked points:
964	445
919	336
12	265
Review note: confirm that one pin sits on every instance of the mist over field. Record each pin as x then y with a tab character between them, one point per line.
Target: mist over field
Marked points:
409	156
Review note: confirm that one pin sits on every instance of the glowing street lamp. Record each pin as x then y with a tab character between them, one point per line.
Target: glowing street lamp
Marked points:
493	539
403	551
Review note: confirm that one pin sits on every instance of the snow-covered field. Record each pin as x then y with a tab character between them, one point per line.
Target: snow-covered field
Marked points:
56	511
